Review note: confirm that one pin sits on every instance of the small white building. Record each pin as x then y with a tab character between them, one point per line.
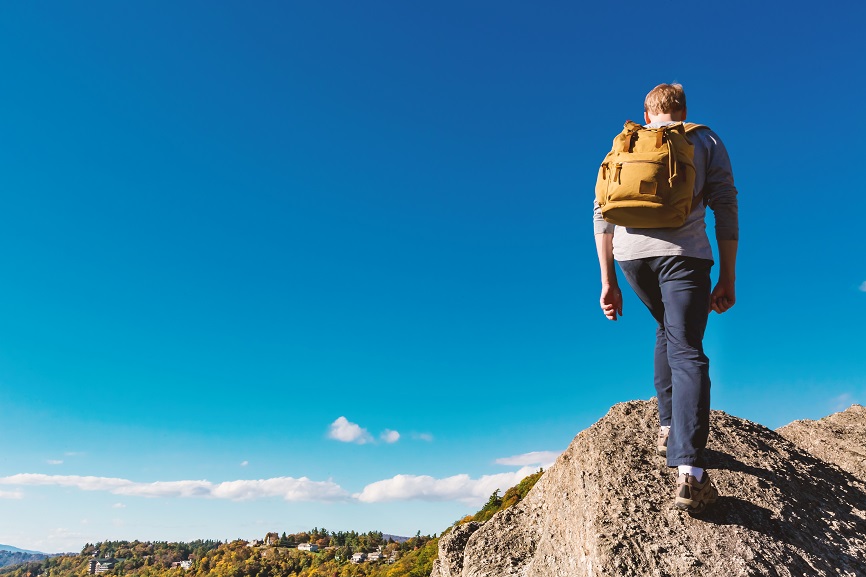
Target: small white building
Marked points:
375	556
311	547
359	557
103	566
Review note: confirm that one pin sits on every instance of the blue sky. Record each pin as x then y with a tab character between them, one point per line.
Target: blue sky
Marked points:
283	265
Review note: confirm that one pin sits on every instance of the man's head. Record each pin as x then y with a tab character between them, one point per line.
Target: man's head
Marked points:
665	102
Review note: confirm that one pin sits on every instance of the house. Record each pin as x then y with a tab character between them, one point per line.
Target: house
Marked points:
311	547
394	556
98	566
359	557
254	543
271	539
375	556
182	564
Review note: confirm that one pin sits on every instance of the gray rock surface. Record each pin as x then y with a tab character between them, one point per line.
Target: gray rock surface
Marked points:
606	508
451	546
839	438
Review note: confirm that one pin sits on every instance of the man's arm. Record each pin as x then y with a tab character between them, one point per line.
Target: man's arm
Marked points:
722	198
611	297
724	295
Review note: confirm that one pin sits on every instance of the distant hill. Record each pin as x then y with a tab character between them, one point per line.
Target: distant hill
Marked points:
395	538
17	550
17	557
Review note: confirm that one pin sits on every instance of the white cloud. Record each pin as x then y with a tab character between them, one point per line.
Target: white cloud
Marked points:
83	483
288	488
11	495
424	488
244	463
54	461
344	430
539	458
166	489
73	453
118	506
863	286
423	437
390	436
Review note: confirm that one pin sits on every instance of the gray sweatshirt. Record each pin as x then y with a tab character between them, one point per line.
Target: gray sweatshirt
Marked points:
713	174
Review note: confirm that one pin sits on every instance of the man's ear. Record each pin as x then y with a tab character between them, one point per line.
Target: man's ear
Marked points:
646	119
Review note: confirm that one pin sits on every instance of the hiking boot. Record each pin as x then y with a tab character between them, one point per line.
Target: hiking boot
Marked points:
662	444
692	495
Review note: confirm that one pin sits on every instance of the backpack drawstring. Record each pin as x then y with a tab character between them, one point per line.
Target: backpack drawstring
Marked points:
672	156
672	161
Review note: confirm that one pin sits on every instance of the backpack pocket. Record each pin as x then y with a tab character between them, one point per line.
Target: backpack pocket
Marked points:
635	179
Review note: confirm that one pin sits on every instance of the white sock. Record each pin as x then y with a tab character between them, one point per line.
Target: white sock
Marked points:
695	472
665	427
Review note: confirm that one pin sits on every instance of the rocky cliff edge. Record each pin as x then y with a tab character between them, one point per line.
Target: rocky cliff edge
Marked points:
606	508
839	439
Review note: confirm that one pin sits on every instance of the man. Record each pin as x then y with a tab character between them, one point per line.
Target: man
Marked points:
669	270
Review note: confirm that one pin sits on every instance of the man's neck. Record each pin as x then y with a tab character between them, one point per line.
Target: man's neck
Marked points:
676	116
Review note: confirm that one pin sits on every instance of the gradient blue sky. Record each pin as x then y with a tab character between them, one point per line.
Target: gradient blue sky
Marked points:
245	244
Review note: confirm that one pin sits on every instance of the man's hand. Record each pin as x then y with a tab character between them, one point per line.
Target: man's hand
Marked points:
723	296
611	301
611	298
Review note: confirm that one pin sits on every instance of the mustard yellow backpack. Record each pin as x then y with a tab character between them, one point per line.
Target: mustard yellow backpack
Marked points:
647	180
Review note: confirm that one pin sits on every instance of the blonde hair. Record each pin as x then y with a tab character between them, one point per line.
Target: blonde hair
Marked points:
664	99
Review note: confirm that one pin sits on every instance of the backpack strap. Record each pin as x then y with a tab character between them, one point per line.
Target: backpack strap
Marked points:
699	198
672	153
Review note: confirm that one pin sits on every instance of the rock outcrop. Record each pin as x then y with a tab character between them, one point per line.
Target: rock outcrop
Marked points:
839	438
606	508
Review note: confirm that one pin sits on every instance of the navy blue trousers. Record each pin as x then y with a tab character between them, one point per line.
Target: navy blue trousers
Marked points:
676	290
